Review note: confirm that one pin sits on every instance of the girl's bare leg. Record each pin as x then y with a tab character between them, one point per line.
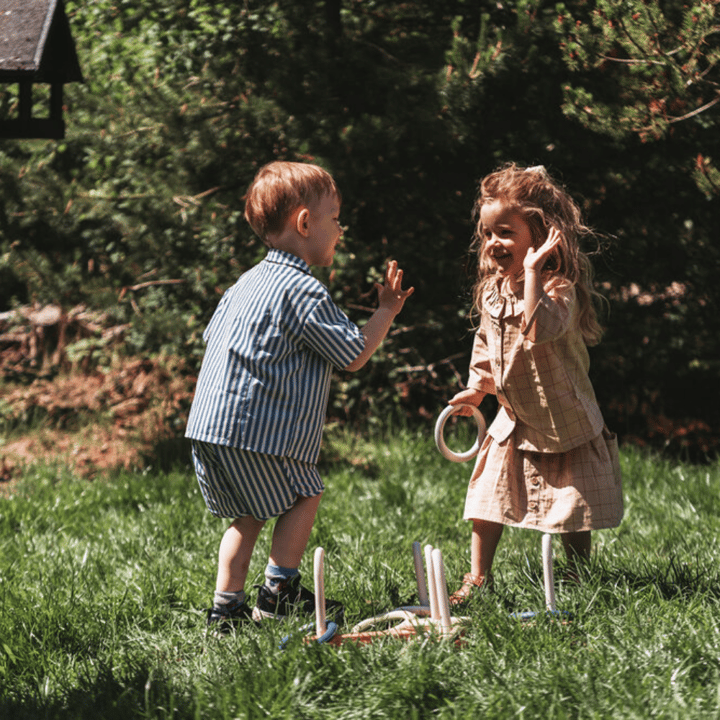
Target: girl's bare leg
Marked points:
483	544
236	550
577	548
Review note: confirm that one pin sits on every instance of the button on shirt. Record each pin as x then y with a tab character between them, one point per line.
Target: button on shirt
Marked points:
271	346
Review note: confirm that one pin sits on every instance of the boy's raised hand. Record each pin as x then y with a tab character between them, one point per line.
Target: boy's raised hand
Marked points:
390	294
391	298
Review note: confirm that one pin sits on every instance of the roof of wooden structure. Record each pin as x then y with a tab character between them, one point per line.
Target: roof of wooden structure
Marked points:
35	42
36	47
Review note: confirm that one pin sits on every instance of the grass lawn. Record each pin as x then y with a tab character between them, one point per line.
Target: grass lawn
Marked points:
103	585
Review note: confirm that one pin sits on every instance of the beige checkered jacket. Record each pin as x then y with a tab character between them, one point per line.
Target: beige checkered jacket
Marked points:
543	385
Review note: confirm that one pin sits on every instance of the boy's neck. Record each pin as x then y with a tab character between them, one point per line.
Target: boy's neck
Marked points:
288	244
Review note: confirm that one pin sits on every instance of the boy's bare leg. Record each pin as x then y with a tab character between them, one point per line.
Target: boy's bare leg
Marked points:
236	550
292	532
281	594
483	544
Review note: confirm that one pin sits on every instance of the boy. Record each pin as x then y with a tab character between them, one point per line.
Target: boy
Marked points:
257	417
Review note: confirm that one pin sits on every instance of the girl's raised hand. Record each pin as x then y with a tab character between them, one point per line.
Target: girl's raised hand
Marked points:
535	259
390	294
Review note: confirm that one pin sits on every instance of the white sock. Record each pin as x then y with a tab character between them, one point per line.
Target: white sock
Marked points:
228	600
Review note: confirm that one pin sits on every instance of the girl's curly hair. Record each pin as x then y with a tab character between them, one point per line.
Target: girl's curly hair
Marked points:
543	204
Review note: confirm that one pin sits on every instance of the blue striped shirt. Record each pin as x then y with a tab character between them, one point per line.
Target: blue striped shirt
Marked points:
271	346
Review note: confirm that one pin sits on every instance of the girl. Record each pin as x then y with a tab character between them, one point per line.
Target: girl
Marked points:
548	462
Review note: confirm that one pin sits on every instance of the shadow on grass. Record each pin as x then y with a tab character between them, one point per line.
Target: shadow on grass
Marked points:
143	694
674	579
169	454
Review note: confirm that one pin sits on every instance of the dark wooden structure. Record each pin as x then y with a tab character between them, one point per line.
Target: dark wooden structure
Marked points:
36	48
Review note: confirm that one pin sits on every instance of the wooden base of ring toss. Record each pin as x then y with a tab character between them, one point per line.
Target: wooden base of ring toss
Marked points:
431	618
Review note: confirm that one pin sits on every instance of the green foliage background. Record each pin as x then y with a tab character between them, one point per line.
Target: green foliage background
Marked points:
408	105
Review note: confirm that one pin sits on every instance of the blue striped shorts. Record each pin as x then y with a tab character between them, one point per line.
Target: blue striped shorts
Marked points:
236	483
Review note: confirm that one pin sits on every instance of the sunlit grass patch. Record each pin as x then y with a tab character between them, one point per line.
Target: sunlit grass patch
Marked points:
103	586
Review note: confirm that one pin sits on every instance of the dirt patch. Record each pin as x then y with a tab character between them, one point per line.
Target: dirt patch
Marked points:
58	404
94	423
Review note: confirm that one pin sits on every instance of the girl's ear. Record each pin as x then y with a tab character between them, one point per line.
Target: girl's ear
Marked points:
302	222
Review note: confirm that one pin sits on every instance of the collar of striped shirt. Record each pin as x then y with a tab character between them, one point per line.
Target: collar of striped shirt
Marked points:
281	257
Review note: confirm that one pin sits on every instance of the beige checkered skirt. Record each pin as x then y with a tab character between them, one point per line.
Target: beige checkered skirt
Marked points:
577	490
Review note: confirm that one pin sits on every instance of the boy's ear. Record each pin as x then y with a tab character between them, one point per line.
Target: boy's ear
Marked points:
302	221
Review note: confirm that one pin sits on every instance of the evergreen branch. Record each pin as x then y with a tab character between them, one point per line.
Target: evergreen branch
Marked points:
632	61
697	111
152	283
701	76
631	38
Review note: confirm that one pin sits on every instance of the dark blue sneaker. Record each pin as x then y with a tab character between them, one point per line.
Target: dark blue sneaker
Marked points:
291	598
223	621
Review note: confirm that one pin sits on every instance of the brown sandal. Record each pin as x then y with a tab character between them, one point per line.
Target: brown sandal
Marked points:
472	584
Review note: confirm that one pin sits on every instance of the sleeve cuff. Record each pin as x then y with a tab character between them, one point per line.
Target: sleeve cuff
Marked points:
549	319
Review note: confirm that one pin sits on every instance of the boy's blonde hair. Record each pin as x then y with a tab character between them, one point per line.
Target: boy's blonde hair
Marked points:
280	188
543	204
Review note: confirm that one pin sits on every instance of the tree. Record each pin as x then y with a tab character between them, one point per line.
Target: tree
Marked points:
650	71
139	210
660	63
